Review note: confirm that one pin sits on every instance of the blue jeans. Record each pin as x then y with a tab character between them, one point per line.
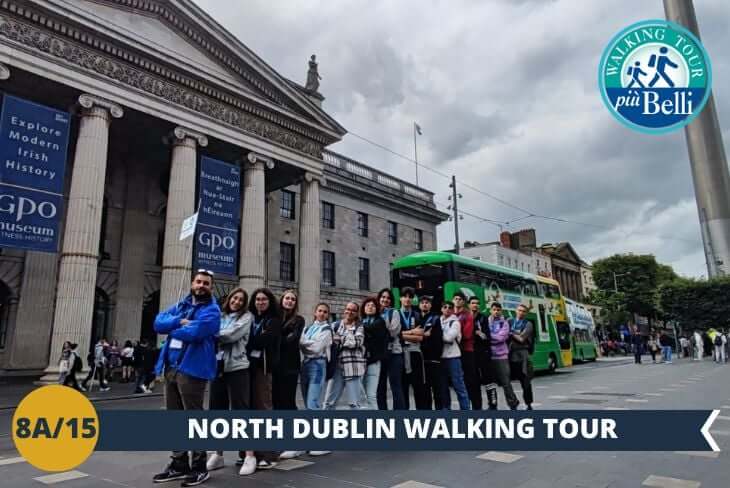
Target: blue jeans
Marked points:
352	388
667	353
370	385
451	371
313	377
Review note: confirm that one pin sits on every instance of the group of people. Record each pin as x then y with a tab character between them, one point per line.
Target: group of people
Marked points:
135	362
253	351
696	346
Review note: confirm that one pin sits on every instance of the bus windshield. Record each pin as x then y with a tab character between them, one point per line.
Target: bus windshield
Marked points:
427	279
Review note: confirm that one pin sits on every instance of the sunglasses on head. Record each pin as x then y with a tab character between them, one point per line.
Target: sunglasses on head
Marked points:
206	272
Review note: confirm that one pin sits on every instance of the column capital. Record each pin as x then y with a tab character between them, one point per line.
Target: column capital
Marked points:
4	72
254	158
310	177
179	134
88	101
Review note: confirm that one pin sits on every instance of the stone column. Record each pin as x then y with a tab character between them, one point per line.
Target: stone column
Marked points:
309	245
252	264
79	257
4	72
35	312
135	231
177	254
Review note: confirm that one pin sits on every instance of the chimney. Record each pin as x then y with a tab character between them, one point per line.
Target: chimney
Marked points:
525	239
505	239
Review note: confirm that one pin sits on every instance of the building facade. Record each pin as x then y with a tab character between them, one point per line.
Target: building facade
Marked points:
566	266
497	253
153	86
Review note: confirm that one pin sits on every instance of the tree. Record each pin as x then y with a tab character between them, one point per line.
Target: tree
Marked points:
696	303
636	277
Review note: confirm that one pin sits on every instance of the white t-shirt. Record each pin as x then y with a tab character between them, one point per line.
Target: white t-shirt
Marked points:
127	352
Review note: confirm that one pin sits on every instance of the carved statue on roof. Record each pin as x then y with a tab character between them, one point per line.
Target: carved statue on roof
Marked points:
312	76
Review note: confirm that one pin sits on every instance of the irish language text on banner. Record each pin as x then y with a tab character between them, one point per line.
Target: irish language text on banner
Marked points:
218	218
33	150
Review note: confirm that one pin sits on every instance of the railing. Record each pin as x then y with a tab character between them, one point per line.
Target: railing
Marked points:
359	169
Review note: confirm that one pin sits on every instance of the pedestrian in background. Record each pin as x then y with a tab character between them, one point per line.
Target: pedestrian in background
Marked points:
637	344
127	356
653	346
140	362
666	343
720	343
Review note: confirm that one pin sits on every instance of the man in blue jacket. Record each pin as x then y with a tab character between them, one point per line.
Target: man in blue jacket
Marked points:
187	361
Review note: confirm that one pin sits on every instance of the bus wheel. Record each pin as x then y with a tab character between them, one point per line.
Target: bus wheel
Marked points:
552	363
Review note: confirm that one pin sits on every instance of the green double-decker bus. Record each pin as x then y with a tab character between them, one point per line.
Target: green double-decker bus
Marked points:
582	331
441	274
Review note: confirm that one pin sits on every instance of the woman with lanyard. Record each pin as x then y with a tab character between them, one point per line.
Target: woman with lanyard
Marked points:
350	368
376	345
314	344
263	354
286	373
391	368
231	388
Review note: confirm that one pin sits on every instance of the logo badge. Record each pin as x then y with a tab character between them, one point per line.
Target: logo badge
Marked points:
655	76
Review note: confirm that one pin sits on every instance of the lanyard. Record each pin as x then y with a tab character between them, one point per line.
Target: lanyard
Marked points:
312	330
257	326
407	319
518	325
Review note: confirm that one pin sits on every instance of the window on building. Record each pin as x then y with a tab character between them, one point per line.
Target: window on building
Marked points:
287	209
364	274
333	317
362	224
328	268
392	232
328	215
286	261
419	239
501	260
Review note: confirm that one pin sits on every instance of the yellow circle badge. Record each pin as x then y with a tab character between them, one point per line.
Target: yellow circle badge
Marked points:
55	428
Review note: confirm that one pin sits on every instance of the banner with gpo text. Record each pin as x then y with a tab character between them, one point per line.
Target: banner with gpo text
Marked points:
216	236
33	152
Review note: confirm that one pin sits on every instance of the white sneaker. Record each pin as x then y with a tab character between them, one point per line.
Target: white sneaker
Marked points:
319	453
248	466
215	461
263	464
290	454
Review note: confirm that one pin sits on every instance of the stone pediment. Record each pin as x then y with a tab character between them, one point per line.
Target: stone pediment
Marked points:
179	33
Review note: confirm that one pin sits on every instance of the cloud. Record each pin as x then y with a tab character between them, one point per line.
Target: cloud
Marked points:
506	93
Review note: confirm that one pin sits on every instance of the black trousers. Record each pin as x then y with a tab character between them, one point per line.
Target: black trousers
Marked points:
501	369
522	372
416	379
183	392
284	390
231	391
433	385
70	380
471	379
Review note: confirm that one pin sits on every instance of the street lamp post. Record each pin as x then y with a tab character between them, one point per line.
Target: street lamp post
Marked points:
615	284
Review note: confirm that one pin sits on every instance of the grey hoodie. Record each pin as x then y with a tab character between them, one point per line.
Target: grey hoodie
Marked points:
233	340
316	340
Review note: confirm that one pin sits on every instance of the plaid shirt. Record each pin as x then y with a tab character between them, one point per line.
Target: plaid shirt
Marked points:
351	358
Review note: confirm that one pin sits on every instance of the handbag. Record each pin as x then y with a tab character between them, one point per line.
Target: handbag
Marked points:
333	357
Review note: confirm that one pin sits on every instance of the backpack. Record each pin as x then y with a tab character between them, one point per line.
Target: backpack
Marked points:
334	353
718	339
78	365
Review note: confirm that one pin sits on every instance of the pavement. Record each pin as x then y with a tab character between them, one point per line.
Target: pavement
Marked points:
607	384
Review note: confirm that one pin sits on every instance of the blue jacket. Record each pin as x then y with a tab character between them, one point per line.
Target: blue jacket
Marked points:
198	337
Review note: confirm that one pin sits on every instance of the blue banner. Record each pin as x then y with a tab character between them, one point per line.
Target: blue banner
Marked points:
548	430
33	151
216	236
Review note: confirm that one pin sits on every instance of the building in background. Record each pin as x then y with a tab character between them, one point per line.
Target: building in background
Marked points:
152	87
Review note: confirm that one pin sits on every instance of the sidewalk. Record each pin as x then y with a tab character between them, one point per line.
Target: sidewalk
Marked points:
13	390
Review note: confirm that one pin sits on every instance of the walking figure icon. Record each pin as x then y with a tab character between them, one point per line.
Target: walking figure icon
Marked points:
636	72
661	62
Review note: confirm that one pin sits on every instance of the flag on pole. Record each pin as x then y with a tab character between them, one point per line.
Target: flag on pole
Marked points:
418	128
188	226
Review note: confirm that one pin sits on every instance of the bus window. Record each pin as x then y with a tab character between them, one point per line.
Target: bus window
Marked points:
543	319
427	279
564	335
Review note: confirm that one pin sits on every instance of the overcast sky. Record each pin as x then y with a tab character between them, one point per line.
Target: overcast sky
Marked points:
506	93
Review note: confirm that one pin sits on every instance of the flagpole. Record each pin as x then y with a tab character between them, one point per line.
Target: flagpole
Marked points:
189	254
415	151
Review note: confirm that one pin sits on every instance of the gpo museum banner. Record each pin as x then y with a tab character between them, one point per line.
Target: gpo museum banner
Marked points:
216	237
33	151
